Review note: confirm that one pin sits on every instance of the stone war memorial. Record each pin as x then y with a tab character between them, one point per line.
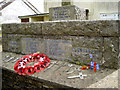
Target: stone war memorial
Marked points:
69	12
68	40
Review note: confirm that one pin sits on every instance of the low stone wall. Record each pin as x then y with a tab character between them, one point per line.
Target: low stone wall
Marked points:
13	80
66	40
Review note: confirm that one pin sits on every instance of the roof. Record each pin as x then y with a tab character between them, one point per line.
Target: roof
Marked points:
5	3
31	6
34	15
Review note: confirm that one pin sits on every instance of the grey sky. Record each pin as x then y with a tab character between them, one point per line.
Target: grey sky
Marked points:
39	4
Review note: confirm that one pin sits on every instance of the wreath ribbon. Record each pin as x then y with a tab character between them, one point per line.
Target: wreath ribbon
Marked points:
20	66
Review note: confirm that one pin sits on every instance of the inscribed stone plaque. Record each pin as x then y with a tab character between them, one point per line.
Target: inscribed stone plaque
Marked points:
31	45
14	43
13	46
55	49
58	49
82	55
84	46
69	12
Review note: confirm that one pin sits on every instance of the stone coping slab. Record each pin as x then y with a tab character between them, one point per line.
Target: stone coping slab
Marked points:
65	27
60	76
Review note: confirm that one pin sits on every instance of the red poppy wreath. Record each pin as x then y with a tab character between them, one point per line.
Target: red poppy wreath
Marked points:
20	66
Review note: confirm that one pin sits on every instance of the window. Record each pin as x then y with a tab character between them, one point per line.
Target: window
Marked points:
87	14
25	20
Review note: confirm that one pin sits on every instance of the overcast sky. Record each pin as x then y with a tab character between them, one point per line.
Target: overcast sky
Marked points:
39	4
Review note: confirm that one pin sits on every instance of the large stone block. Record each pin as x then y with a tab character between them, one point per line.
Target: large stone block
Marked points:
84	28
69	12
58	47
53	47
84	46
71	28
111	52
22	28
14	44
31	44
5	42
109	27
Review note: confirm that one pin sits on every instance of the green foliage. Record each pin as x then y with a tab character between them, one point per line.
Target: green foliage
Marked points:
37	52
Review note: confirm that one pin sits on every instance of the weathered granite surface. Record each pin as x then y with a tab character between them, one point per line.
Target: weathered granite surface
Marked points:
72	28
66	40
69	12
85	28
22	28
111	51
63	48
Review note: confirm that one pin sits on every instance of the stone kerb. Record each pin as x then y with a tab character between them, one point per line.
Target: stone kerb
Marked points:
66	40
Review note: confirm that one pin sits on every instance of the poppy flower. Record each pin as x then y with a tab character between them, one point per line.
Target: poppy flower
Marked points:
42	66
30	70
41	59
23	72
37	68
43	55
46	63
20	71
34	54
28	58
88	66
37	58
84	67
94	66
16	69
16	65
26	70
94	69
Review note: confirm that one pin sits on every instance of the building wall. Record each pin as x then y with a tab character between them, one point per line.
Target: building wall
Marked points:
104	7
95	7
11	12
51	3
35	19
46	18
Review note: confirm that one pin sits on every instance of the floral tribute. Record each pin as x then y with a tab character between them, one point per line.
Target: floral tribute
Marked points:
42	59
92	66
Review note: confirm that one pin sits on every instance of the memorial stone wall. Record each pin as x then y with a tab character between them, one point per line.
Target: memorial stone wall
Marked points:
71	40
